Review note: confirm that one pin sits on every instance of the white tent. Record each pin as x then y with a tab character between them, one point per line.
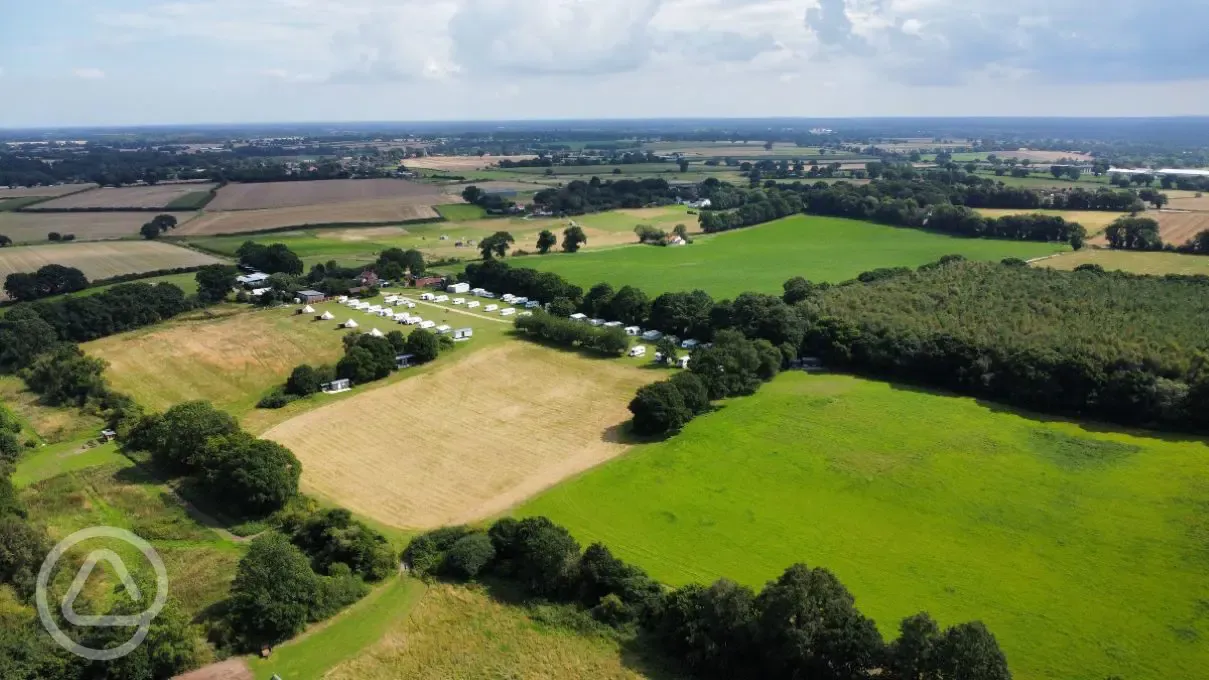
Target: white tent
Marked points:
376	333
351	324
326	316
308	310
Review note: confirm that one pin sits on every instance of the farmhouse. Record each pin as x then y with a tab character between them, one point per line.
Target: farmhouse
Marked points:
309	296
368	279
425	281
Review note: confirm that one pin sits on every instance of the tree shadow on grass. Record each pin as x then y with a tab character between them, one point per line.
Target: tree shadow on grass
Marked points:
1086	424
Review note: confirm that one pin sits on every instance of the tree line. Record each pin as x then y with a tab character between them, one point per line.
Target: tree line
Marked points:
579	197
563	331
804	624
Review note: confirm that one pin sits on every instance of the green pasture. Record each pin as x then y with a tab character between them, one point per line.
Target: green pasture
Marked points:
456	212
763	257
195	200
1083	548
9	204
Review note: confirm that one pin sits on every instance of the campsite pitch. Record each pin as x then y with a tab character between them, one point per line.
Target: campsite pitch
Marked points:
467	440
1082	548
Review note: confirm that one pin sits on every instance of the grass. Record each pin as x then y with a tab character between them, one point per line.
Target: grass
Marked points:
10	204
456	212
316	652
1137	262
102	260
200	563
462	632
45	424
58	459
762	258
1083	549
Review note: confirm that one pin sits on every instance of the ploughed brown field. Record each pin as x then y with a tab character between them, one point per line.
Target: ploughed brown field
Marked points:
256	196
24	227
353	212
59	190
1179	227
158	196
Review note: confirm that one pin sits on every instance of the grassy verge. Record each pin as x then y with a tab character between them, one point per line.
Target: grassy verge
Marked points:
316	652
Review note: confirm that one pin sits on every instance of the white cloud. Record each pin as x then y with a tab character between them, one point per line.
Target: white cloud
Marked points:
88	73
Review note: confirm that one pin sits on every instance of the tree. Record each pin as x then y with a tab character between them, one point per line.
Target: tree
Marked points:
424	345
214	282
667	349
496	244
797	289
561	307
913	655
659	409
170	648
178	436
969	651
692	391
545	241
23	336
357	366
629	306
5	241
713	629
768	146
544	556
468	556
681	231
22	548
304	380
472	194
410	260
573	238
683	165
21	286
54	236
808	626
65	375
596	302
164	222
332	537
273	593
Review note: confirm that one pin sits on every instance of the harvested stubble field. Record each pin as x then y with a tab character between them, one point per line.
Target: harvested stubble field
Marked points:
24	227
102	260
468	440
353	212
463	632
1081	547
460	162
1187	200
57	190
1179	227
261	195
230	362
1133	261
158	196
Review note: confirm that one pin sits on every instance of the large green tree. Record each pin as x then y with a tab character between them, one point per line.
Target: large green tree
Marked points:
215	282
273	593
545	241
573	238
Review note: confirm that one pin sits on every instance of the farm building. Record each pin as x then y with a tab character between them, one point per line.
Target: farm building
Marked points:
426	281
336	386
309	296
463	334
458	288
252	279
404	360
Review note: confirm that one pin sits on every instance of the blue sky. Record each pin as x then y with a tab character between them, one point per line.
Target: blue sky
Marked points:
71	62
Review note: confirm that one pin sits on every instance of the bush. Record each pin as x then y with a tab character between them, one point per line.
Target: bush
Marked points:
468	556
425	553
304	380
332	538
276	399
659	409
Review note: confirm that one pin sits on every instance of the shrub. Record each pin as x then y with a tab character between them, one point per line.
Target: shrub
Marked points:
276	399
658	409
425	553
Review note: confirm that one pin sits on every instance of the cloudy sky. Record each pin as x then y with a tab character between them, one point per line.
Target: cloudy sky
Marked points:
100	62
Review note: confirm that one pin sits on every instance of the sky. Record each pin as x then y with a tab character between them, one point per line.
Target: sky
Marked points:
128	62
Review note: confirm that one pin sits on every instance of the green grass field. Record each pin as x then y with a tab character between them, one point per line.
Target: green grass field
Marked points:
456	212
1083	549
195	200
1137	262
9	204
762	258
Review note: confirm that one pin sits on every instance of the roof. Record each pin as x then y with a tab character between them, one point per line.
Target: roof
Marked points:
310	293
252	278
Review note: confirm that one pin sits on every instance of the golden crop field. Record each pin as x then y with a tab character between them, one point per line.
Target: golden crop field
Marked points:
1095	221
468	440
461	162
1179	227
1137	262
57	190
102	260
